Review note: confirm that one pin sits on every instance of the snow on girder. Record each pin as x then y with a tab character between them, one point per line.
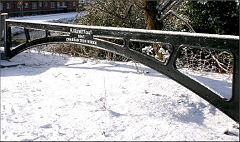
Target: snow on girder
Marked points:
120	29
176	39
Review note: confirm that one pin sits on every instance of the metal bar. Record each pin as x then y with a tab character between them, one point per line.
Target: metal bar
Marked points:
4	16
176	39
7	41
47	33
1	28
194	39
26	31
18	49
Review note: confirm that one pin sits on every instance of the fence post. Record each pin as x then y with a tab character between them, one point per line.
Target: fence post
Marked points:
1	28
4	16
3	31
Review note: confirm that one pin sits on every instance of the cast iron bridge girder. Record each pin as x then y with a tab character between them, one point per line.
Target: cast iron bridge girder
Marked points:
176	39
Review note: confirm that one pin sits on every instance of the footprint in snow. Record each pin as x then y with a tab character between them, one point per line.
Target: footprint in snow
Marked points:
4	90
47	126
24	140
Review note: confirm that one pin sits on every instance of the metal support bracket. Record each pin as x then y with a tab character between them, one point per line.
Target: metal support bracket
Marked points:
79	34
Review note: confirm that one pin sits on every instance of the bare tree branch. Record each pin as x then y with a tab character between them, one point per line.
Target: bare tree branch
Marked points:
165	5
221	65
174	5
104	9
140	6
179	17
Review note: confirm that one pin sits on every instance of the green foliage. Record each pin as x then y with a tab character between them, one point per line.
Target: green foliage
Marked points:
215	17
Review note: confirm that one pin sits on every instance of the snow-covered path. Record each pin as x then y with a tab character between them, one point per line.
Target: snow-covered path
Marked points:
63	98
59	18
48	17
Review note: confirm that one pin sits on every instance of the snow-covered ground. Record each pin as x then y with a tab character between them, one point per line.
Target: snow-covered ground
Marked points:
53	97
48	17
59	17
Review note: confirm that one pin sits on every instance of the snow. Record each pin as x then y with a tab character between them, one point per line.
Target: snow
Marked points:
45	96
56	97
48	17
220	84
59	17
120	29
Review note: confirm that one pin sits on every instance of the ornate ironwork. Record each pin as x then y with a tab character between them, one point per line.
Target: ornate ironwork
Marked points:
95	36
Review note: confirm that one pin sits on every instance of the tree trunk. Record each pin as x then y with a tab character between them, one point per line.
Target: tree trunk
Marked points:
150	12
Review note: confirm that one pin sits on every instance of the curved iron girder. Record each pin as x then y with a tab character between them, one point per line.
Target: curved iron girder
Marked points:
229	107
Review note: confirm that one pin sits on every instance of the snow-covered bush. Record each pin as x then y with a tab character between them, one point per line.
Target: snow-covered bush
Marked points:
148	50
205	60
114	13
